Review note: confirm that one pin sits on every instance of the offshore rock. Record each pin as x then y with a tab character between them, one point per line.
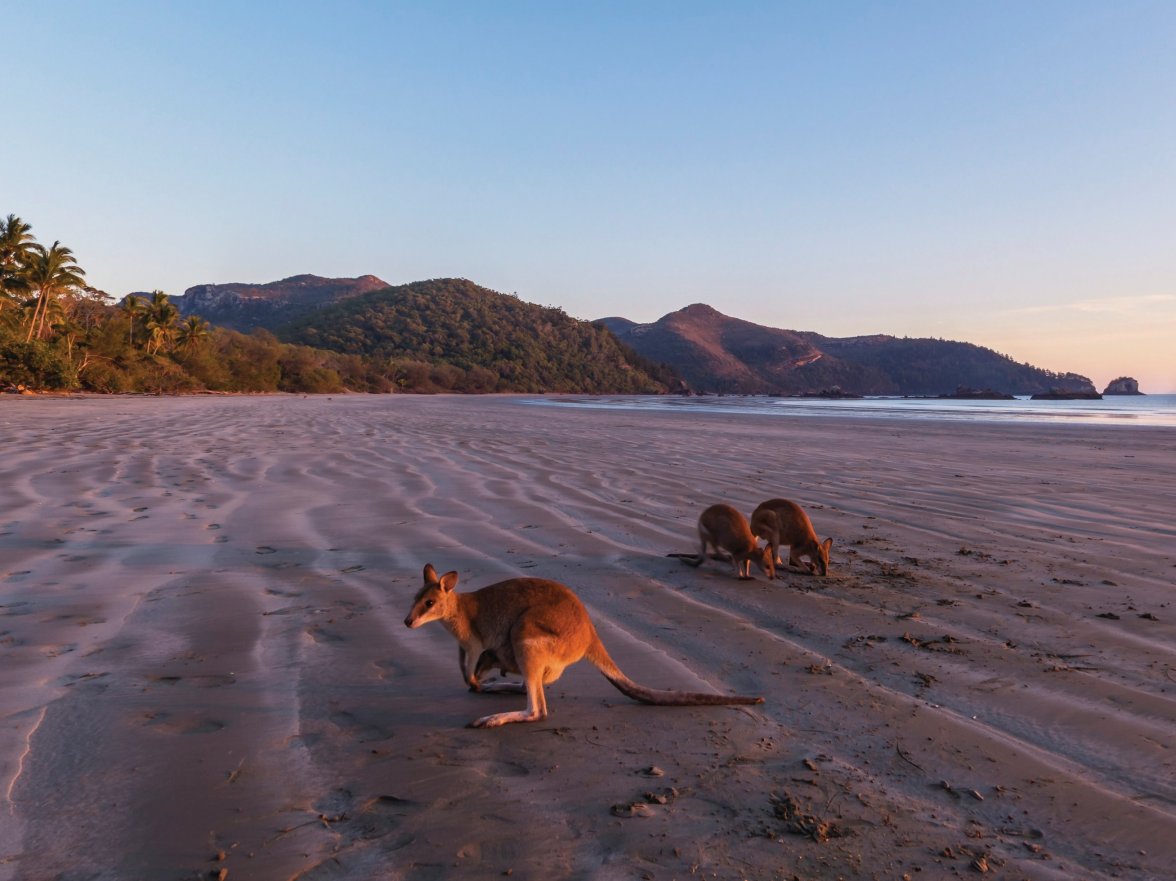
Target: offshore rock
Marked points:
1124	385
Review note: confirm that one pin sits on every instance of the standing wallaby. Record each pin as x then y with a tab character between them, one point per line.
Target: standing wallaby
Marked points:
783	523
533	627
727	531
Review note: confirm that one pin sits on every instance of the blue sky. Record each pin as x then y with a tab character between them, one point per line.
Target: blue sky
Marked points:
997	172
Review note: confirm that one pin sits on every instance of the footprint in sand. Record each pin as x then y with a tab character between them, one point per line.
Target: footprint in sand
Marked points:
389	669
212	680
169	724
360	731
319	635
88	680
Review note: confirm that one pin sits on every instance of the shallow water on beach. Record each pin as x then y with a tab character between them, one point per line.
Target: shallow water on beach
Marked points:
1133	410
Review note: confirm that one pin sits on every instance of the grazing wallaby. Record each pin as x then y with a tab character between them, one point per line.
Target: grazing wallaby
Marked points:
727	531
536	628
784	523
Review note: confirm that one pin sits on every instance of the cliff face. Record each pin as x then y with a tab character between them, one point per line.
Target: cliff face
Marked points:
246	306
1124	385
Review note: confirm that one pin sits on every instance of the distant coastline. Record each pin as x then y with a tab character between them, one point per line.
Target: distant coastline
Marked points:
1146	410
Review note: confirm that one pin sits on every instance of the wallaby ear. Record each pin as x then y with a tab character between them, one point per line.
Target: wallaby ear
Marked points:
448	581
430	574
826	544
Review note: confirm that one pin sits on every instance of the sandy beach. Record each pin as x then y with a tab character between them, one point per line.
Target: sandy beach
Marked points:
204	668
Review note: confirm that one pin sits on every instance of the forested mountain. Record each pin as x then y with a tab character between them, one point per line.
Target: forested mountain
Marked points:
479	340
244	307
716	353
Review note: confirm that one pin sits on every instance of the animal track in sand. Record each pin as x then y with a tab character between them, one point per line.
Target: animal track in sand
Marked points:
357	821
285	610
79	620
320	636
390	669
166	723
361	731
88	680
213	680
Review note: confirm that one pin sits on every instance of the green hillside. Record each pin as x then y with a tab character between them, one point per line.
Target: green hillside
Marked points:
470	338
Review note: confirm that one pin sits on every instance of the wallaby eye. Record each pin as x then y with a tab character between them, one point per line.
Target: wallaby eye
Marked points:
429	603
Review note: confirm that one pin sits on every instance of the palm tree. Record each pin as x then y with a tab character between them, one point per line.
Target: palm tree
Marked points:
192	330
161	322
16	246
16	240
134	307
50	272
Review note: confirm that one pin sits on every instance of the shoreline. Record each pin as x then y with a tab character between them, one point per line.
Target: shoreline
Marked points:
201	607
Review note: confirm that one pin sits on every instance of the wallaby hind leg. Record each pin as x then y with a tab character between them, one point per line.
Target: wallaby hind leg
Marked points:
536	706
537	659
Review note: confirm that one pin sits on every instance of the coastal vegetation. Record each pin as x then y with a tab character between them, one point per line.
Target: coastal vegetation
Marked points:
58	333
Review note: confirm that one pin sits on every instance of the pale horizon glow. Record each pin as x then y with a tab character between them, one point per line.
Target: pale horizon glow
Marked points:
999	173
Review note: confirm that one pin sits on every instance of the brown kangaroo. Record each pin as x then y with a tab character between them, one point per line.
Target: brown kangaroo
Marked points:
784	523
727	531
536	628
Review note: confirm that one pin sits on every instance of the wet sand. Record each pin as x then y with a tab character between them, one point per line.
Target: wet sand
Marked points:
204	666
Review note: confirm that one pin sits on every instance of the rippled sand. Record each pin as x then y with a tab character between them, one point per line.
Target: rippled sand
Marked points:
203	661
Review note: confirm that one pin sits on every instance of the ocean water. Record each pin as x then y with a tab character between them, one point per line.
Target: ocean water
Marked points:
1117	410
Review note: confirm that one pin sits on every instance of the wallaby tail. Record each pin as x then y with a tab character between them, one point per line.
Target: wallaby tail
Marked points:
689	559
599	656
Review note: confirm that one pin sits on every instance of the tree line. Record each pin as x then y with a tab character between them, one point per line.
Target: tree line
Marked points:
57	333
